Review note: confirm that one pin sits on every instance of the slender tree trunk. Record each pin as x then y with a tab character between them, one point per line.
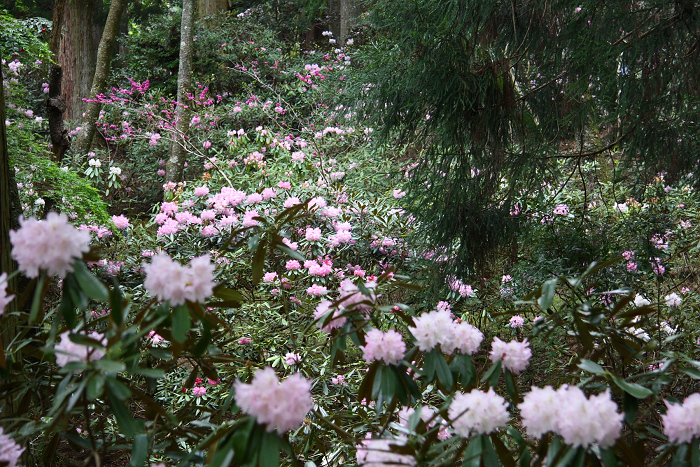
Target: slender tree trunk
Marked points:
77	55
211	7
99	82
348	15
55	104
174	168
9	219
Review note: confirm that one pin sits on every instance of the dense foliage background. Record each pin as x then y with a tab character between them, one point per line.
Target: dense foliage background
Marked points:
418	233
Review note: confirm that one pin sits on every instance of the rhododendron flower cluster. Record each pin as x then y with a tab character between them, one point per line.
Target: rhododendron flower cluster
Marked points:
386	346
514	355
280	406
438	328
478	412
68	351
351	297
169	280
567	412
378	453
10	451
51	245
682	421
322	310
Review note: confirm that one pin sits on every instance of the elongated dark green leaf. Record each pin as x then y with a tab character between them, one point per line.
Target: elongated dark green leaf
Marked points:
224	293
126	422
288	251
591	367
110	366
139	453
443	372
259	262
269	450
634	389
181	323
504	454
91	285
547	295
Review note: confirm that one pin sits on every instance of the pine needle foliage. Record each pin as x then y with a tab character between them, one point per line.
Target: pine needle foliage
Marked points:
497	96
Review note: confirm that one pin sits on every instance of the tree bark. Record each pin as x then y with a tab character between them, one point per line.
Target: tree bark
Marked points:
9	219
348	15
55	104
76	55
55	107
174	168
99	81
211	7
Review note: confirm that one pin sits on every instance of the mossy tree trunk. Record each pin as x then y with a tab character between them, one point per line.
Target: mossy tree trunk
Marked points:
99	81
175	166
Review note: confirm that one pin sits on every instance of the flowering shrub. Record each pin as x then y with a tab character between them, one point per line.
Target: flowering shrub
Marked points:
275	308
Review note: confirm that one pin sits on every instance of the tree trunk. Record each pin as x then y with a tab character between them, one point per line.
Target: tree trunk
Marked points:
174	168
99	82
55	104
348	15
9	219
76	55
211	7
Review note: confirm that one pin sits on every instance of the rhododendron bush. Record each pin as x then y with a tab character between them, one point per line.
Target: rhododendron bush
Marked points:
280	307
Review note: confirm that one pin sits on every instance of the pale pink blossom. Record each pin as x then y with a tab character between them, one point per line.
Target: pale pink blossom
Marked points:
478	412
386	346
51	245
514	355
279	406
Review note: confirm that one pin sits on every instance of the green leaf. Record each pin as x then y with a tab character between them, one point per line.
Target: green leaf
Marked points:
181	323
634	389
38	301
269	450
110	366
294	254
139	452
591	367
259	262
692	372
443	372
227	294
492	374
91	285
504	454
547	293
117	389
126	422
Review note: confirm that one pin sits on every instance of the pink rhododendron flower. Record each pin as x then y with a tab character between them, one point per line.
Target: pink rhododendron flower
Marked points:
516	321
292	358
386	346
514	355
478	412
201	191
682	421
68	351
121	222
198	391
280	406
10	451
51	245
169	280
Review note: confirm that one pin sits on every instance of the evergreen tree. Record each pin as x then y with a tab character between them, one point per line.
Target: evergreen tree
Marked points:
495	94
